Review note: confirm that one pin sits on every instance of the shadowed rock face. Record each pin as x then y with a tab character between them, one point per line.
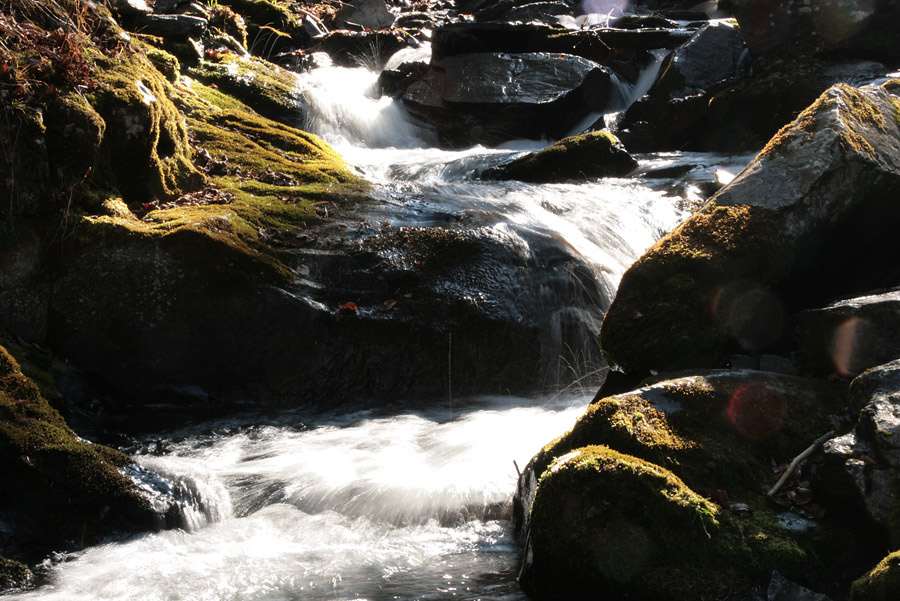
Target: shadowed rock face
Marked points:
855	28
817	203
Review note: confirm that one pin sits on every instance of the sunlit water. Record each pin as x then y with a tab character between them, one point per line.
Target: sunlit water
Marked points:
411	504
401	504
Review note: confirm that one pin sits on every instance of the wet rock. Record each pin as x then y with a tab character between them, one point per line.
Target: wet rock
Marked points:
677	105
370	14
172	26
863	466
850	336
715	55
816	202
782	589
493	97
467	38
597	154
689	439
846	28
881	583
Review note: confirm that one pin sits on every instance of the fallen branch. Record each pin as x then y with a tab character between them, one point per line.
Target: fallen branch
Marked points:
797	460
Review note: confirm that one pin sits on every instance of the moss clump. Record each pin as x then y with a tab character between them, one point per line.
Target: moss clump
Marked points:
672	307
145	153
882	583
165	63
596	154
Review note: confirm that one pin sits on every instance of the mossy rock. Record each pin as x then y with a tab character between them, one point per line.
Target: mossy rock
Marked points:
144	153
817	201
596	154
66	489
611	522
622	520
265	87
13	575
882	583
717	431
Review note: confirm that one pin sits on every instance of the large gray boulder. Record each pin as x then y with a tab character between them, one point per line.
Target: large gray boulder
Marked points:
791	232
493	97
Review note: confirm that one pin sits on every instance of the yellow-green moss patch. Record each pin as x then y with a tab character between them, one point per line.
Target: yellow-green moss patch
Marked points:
882	583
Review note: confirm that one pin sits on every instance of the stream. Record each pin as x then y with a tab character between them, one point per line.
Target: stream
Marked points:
406	502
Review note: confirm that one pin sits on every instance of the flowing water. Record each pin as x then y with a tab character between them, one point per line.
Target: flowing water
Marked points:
410	502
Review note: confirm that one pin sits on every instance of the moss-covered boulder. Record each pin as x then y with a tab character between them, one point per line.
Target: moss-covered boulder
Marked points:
881	583
60	489
596	154
623	502
810	219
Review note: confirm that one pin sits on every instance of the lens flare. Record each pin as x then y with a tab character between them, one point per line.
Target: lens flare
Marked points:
849	346
756	411
604	7
750	313
20	255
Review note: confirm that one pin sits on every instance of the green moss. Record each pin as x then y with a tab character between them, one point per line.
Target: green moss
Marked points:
882	583
620	503
720	432
145	152
265	87
165	63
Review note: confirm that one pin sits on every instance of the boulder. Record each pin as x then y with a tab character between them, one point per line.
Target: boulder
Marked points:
369	14
623	502
863	466
845	28
487	98
814	205
677	104
850	336
714	56
597	154
263	86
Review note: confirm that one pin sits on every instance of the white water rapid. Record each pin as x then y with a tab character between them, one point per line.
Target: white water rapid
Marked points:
405	503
